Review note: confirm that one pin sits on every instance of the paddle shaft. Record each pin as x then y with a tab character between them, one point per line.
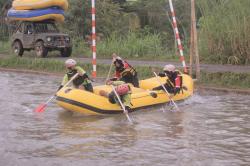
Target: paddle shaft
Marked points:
42	106
165	90
110	68
70	80
123	107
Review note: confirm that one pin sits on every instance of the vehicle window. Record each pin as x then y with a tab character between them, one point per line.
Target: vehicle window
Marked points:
20	29
45	27
28	29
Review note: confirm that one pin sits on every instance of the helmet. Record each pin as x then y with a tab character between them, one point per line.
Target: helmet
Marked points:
122	89
70	62
169	67
119	61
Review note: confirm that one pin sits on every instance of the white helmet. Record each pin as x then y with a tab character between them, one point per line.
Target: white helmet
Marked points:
169	67
70	62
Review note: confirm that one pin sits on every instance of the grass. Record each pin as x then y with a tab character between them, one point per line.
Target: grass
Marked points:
104	50
4	47
227	79
57	66
224	40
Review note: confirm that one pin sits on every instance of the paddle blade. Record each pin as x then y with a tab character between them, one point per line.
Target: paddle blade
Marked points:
40	108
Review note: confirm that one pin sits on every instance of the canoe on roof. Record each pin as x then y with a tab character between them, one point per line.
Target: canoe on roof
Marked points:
39	4
52	13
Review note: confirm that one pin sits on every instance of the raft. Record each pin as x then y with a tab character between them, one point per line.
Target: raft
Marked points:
53	13
38	4
88	103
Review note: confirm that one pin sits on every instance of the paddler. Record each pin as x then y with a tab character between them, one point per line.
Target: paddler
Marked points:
82	81
123	90
174	79
124	71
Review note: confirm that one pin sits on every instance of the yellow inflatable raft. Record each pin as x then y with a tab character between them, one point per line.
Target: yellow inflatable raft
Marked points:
39	4
87	103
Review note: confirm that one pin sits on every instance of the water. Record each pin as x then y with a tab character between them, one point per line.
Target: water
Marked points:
211	129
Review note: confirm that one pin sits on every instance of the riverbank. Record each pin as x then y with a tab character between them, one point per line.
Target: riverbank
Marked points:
220	81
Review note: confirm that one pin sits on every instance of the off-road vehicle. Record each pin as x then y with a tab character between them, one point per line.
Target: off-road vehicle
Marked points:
40	36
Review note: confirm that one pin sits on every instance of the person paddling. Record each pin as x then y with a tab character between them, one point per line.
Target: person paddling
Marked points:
124	92
174	80
82	81
124	71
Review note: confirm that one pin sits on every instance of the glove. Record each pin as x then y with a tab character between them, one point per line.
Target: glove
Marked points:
60	87
176	90
114	79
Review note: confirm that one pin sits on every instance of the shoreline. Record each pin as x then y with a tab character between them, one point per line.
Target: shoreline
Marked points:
197	86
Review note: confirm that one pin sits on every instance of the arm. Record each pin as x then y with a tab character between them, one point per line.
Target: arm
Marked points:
162	74
177	84
116	83
65	80
80	71
117	74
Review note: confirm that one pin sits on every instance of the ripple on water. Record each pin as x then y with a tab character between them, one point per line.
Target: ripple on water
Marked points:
211	129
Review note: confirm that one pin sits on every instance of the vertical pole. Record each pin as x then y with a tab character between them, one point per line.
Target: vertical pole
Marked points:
93	38
177	35
191	50
195	42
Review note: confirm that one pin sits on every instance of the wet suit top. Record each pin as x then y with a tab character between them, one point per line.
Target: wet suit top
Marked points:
82	78
126	99
126	73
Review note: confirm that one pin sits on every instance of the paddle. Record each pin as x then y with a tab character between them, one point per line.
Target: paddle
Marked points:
110	68
41	107
171	100
123	107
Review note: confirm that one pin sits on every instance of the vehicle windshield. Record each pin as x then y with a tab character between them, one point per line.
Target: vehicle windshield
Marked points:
45	27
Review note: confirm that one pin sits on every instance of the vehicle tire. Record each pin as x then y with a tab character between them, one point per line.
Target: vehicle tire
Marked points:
18	48
66	52
41	50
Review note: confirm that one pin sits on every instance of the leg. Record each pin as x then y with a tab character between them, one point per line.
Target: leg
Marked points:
135	81
89	87
111	97
158	88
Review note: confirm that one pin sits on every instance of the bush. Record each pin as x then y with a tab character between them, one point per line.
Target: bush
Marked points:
225	31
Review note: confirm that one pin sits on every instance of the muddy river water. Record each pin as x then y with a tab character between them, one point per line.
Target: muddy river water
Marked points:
212	128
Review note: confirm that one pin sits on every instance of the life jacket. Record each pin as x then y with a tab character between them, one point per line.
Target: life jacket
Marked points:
125	69
122	89
175	80
78	80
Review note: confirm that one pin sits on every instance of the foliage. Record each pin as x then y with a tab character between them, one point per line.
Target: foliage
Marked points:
51	65
4	47
135	44
225	31
227	79
223	26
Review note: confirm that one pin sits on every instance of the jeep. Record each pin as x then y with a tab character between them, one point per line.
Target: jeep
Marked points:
42	37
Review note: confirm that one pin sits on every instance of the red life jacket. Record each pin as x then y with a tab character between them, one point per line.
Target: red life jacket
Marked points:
178	81
125	68
122	89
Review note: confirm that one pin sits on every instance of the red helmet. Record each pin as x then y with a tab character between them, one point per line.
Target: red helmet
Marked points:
122	89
